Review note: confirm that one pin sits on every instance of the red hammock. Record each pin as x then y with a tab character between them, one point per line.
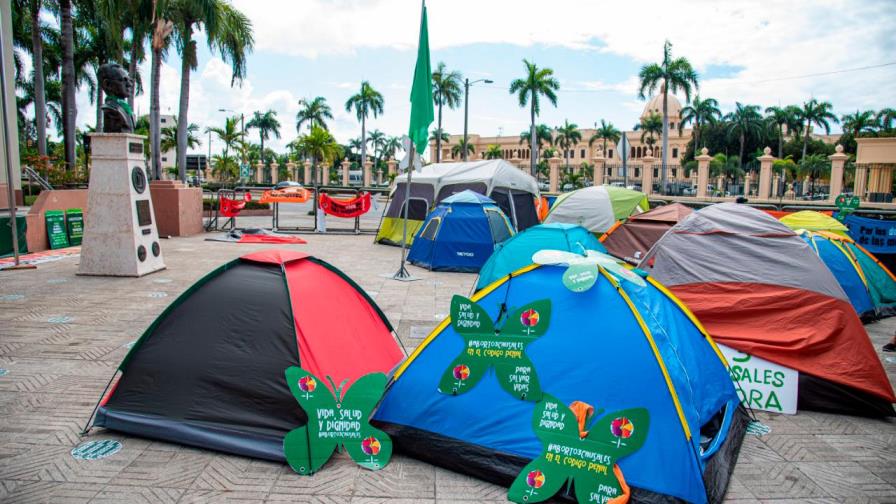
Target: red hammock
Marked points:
340	207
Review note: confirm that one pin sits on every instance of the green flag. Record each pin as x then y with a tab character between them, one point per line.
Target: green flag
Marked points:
421	91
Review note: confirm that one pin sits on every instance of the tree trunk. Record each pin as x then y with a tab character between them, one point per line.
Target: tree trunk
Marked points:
665	134
99	107
742	140
37	62
182	121
533	142
364	143
780	142
132	68
155	133
439	134
69	110
806	139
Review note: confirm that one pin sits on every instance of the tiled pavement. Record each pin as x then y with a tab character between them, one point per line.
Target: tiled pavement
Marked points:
62	336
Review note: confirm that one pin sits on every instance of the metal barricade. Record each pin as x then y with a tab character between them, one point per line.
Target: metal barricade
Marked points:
357	226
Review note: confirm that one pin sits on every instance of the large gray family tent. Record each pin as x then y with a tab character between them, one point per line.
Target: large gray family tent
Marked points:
512	189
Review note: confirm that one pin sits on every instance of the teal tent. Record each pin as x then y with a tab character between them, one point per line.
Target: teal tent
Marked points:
516	252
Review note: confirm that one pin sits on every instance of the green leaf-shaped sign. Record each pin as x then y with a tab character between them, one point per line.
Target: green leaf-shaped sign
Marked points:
505	350
588	461
342	420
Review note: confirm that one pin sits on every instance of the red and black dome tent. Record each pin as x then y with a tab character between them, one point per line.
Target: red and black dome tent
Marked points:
209	371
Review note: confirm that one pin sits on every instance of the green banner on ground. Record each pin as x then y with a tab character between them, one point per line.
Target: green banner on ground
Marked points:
504	350
337	420
6	235
585	456
56	233
74	223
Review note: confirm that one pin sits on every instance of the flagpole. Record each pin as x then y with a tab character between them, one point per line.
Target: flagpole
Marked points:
402	274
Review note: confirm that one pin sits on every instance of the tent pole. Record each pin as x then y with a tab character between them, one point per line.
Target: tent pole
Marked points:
402	275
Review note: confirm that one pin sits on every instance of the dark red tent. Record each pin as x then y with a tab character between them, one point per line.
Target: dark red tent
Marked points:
631	239
209	371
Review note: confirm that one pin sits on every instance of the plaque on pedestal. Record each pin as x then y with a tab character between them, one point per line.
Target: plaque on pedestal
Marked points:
120	234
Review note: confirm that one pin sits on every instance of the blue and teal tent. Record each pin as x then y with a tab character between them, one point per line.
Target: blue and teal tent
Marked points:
613	346
870	286
516	252
460	234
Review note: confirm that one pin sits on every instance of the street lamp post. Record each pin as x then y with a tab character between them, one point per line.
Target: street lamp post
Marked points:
467	85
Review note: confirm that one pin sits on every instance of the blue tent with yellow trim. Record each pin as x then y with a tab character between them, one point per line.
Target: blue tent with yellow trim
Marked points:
613	346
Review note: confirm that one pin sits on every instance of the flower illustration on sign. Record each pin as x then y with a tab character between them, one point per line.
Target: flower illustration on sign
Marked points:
529	318
371	445
307	384
622	428
461	372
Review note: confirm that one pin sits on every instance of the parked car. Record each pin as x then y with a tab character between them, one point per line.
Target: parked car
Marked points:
287	183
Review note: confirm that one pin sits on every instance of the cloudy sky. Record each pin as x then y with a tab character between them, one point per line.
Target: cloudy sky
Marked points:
766	53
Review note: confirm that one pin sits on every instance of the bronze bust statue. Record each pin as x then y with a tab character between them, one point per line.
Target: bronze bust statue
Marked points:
116	83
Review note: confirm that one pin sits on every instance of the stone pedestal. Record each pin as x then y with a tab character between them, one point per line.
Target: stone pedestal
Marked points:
554	174
776	183
178	208
838	162
306	176
259	173
291	168
748	179
324	174
393	166
346	165
647	174
703	172
600	163
120	235
367	167
275	173
765	173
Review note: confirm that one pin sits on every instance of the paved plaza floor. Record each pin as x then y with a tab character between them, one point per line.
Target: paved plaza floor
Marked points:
62	337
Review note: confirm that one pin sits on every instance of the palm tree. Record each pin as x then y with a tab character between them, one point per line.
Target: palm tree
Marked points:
228	32
37	64
377	139
319	145
670	75
314	112
367	101
458	150
230	135
814	166
819	114
161	29
576	180
438	135
543	134
537	82
267	124
699	112
169	137
606	132
494	152
780	117
743	122
69	84
860	122
568	136
885	118
445	91
391	146
651	127
725	166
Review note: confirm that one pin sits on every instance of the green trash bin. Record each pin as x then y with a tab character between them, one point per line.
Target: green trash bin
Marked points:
74	223
6	235
56	234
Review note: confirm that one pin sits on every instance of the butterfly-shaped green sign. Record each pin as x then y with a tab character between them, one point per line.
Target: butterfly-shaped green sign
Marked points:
504	349
336	421
567	456
846	205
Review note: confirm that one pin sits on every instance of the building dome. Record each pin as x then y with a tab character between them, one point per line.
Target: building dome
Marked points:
655	106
